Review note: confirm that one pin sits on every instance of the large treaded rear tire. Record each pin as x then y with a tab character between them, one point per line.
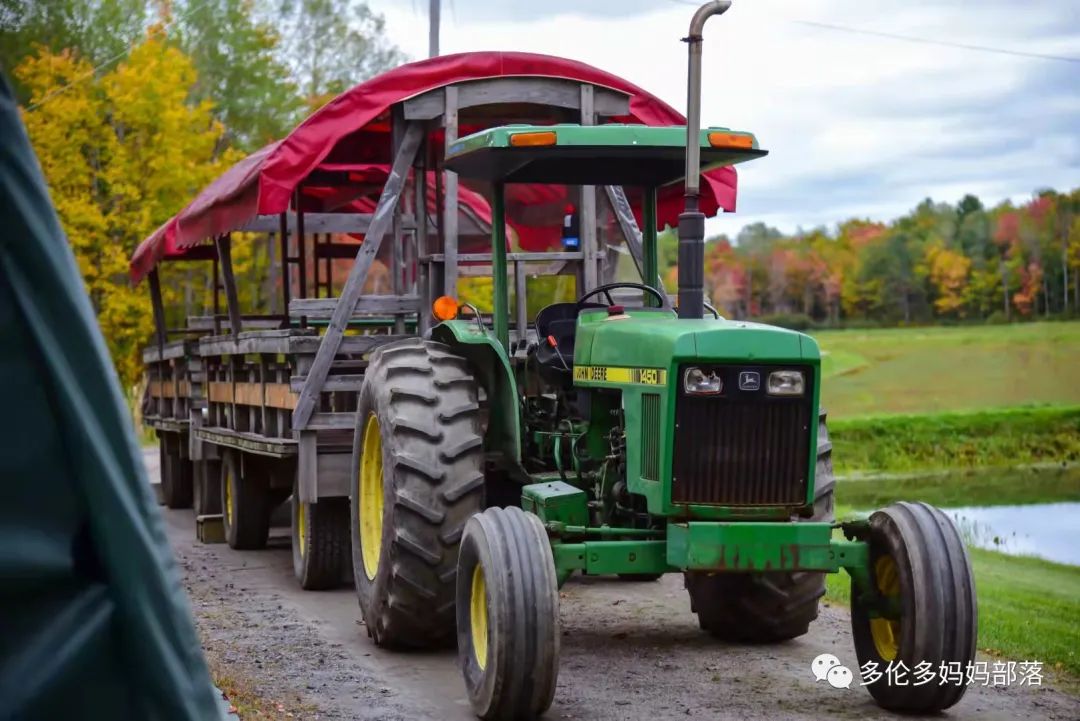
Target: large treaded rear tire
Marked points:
425	402
767	607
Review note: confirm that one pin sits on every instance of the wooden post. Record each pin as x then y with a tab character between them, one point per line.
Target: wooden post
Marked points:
159	311
380	224
587	207
301	249
224	249
450	202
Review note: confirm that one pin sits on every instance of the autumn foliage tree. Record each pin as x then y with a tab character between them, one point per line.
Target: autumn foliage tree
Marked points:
122	152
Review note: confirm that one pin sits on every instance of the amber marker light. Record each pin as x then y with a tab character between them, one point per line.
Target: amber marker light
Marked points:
530	140
731	140
444	308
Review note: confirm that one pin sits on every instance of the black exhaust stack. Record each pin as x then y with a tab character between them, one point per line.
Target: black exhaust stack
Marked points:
692	220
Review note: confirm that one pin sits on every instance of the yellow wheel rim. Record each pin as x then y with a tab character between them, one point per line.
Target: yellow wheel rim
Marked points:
301	526
371	497
228	497
478	617
886	631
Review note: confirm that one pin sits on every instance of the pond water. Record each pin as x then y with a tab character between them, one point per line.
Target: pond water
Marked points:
1046	530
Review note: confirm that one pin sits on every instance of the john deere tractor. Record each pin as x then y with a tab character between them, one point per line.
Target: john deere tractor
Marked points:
627	438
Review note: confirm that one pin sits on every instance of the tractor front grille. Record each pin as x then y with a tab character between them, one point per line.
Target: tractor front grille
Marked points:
742	447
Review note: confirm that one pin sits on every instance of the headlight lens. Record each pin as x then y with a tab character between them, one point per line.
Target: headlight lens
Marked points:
697	382
786	383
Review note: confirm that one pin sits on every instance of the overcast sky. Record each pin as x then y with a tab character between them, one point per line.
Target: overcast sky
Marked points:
856	125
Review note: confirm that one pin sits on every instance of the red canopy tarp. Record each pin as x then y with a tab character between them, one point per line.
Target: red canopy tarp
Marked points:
264	182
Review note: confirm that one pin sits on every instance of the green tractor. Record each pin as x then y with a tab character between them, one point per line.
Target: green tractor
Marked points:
634	439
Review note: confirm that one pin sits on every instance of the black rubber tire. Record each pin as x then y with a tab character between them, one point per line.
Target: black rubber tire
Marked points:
248	526
767	607
939	610
207	492
425	400
176	478
318	559
521	660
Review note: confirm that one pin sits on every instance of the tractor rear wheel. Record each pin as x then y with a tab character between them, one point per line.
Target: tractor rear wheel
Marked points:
417	477
507	615
245	505
320	540
767	607
918	559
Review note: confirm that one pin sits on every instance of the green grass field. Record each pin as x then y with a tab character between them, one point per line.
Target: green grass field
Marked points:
927	370
967	440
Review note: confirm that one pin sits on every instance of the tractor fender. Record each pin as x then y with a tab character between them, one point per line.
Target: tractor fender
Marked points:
491	366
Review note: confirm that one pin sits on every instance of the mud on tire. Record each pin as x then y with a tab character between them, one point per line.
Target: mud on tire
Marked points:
767	607
424	402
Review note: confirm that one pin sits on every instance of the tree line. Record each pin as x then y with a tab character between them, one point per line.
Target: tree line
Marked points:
939	263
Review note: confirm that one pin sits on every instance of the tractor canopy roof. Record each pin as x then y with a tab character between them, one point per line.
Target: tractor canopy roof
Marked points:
615	154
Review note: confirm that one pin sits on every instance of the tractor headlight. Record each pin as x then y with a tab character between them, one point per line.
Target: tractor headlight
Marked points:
786	383
697	382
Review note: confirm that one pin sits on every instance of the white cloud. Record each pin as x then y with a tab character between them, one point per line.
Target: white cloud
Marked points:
856	124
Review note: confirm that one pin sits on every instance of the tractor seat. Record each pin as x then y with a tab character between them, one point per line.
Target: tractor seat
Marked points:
558	320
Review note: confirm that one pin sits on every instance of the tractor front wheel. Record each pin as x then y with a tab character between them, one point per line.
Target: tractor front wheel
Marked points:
507	615
417	477
919	563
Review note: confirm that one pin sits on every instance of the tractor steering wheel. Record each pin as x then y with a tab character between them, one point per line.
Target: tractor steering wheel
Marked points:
606	290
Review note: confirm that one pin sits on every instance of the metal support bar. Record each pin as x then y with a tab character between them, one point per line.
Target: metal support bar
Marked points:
520	304
498	252
649	248
232	300
450	202
381	223
283	235
587	216
422	241
625	217
397	252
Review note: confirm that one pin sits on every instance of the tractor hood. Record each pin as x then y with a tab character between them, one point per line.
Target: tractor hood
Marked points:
653	338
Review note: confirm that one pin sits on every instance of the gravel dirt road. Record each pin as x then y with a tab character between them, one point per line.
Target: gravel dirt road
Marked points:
629	651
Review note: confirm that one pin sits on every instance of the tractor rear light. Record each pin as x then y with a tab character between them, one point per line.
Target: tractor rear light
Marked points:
529	140
444	308
697	383
786	383
731	140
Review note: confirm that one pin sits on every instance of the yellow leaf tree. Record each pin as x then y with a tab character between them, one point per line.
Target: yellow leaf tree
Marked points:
122	151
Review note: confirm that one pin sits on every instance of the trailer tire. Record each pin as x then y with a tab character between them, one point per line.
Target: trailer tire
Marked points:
918	557
320	540
507	615
767	607
207	492
245	505
176	477
417	477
